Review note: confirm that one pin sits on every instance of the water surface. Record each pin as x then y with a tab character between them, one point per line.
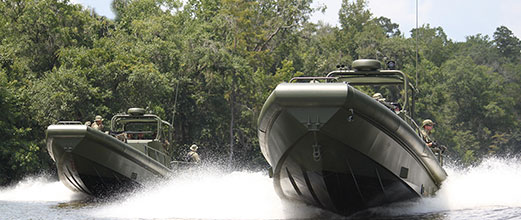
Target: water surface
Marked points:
491	190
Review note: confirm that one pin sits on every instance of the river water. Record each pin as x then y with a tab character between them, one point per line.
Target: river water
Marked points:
491	190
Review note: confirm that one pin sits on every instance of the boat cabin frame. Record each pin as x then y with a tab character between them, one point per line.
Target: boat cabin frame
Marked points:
368	73
125	120
156	142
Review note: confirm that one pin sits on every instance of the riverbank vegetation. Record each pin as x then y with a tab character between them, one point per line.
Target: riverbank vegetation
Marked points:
208	66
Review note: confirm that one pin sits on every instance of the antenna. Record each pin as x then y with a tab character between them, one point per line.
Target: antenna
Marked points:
416	68
417	32
175	102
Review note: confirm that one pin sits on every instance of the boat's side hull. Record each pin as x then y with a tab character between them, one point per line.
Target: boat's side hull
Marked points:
95	163
342	151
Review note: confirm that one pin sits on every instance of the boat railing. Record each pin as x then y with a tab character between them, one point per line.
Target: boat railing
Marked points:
411	122
312	79
157	155
69	123
150	148
182	165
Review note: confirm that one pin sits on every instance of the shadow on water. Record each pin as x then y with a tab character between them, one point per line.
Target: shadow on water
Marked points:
426	216
84	201
397	211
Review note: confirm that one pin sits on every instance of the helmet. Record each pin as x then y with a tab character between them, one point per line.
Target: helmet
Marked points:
98	118
379	97
193	147
427	122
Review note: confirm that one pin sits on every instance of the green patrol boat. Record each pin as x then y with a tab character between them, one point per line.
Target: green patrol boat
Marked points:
335	147
136	149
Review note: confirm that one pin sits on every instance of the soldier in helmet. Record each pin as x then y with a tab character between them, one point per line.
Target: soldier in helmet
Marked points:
378	97
427	126
98	123
391	105
193	156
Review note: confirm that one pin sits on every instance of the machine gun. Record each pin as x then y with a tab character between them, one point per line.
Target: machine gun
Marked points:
438	151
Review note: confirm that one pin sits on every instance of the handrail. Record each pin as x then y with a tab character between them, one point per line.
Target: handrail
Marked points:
138	132
313	78
363	72
415	125
399	75
69	123
157	153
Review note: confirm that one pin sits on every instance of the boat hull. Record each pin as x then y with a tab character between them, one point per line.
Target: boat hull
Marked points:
98	164
336	148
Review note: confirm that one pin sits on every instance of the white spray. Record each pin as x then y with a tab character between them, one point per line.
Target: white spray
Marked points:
214	194
38	188
495	183
210	194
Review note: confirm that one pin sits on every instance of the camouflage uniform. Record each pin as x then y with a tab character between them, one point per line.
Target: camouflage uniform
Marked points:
193	156
97	126
426	135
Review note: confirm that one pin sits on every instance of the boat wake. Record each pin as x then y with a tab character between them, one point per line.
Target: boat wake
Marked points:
491	185
201	194
210	194
40	188
215	194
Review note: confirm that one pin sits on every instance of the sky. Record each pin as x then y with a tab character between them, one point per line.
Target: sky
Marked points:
458	18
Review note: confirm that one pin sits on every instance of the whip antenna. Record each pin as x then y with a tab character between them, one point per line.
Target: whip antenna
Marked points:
175	101
417	32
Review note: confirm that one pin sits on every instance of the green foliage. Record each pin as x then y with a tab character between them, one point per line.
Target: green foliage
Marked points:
390	29
434	44
480	48
59	95
508	45
20	149
59	61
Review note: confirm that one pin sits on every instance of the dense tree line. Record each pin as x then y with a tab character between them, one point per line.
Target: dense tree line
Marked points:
208	65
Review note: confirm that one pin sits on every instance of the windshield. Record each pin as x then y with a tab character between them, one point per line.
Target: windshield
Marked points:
138	130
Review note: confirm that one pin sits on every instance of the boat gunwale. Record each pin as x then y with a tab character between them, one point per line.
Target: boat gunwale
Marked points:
111	143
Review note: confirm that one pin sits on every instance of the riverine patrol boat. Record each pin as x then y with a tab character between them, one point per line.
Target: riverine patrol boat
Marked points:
138	148
333	146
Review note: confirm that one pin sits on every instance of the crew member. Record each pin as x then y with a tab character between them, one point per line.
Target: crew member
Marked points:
193	156
378	97
393	106
427	126
98	123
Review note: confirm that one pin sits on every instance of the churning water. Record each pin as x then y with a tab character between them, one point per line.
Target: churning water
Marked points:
491	190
